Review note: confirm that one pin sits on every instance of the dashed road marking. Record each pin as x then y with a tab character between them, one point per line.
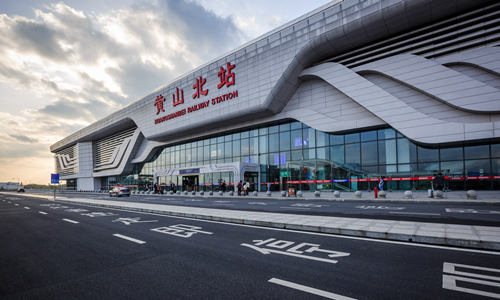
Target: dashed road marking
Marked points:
16	204
71	221
299	208
26	207
129	238
413	213
308	289
410	244
42	212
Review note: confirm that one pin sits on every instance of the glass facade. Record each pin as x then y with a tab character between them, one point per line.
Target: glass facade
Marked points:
315	160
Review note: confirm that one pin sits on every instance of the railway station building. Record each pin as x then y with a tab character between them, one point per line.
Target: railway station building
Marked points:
333	100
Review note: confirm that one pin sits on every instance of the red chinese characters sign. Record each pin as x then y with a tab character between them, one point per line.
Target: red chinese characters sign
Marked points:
227	78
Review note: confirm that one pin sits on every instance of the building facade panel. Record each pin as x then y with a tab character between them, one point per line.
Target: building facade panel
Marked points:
423	72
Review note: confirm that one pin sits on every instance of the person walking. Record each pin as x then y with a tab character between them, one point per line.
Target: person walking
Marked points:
246	188
223	186
381	183
438	182
240	186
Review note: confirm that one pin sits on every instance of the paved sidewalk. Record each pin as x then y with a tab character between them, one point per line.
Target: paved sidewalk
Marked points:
457	197
481	237
486	197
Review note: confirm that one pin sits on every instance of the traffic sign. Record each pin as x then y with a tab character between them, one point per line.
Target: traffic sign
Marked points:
54	178
285	173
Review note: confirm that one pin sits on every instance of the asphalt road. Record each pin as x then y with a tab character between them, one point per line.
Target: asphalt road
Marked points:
50	250
467	214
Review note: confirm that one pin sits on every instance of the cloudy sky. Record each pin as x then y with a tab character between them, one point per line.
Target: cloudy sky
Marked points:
64	65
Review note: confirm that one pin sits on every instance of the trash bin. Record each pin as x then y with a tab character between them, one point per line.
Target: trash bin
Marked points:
291	191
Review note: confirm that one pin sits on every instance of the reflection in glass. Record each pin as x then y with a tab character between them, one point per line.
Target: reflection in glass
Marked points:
263	144
254	146
427	154
296	137
309	138
352	138
273	142
478	167
451	153
369	136
337	154
236	148
407	151
352	154
369	154
387	152
471	152
245	147
285	141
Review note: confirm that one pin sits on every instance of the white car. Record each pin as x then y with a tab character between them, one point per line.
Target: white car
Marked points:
119	191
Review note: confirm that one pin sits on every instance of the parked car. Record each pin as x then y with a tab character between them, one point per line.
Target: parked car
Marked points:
119	191
20	189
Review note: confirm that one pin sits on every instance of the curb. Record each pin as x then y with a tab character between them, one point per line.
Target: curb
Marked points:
357	232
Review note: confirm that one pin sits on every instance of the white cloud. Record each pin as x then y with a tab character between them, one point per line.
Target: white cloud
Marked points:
84	66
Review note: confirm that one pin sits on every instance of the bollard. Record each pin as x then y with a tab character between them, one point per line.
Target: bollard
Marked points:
382	194
438	194
299	194
317	194
358	194
336	194
471	194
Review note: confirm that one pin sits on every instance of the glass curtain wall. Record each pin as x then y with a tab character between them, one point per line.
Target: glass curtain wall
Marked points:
294	152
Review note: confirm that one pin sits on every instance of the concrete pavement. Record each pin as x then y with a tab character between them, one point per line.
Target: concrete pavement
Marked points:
481	237
458	197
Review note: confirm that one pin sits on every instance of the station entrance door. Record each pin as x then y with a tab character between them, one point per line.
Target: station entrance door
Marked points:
253	179
190	183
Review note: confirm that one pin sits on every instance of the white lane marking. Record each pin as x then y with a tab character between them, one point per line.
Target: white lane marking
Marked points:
26	207
129	238
16	204
450	281
42	212
413	213
300	208
71	221
308	289
471	211
379	207
304	232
